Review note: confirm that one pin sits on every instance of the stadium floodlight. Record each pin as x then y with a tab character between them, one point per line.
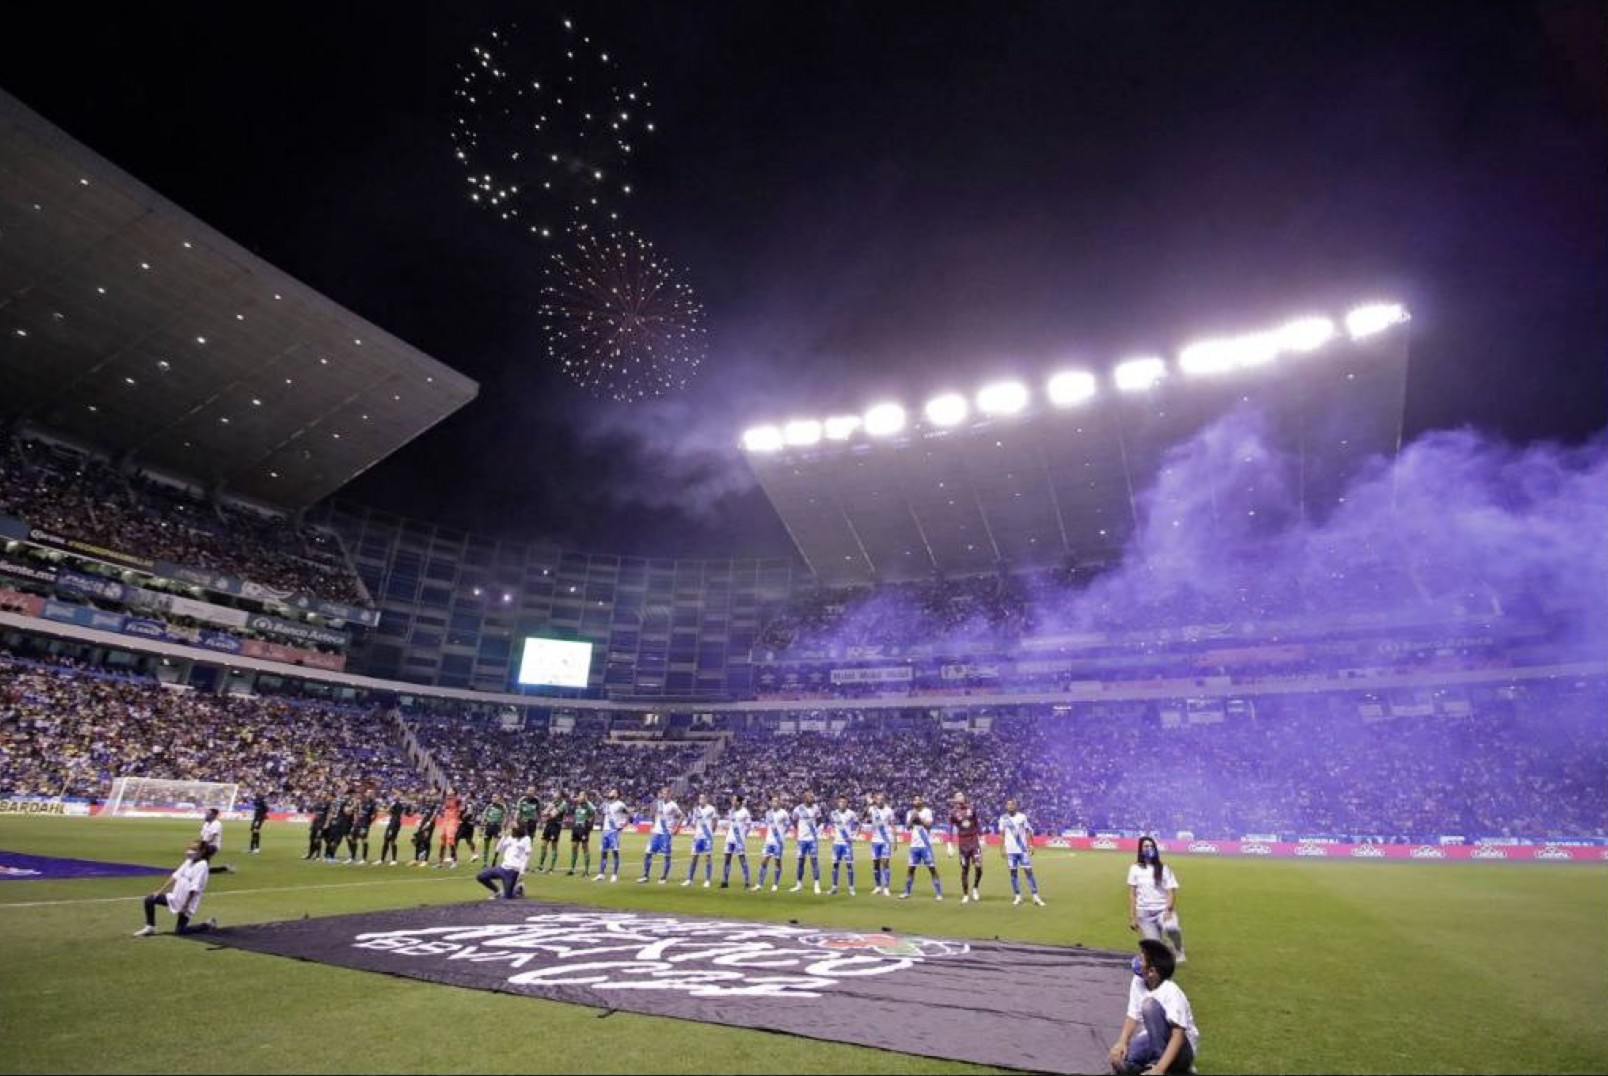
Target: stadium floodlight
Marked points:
1002	398
763	439
842	427
1374	318
1230	353
1305	334
801	433
947	410
884	420
1071	387
1139	375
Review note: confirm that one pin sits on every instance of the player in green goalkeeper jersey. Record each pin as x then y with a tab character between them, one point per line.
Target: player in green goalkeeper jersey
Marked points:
582	815
491	823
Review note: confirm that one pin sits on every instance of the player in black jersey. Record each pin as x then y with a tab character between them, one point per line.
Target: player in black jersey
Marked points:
335	832
393	829
367	808
315	832
259	815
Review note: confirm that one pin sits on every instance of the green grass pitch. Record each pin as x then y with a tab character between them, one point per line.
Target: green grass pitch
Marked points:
1294	966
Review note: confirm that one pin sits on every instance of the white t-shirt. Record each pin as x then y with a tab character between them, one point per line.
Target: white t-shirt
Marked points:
1172	1001
189	882
882	825
666	817
808	817
212	833
920	837
515	854
1152	897
737	833
1017	832
703	823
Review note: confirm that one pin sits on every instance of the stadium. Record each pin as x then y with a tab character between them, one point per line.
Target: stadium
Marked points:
1190	703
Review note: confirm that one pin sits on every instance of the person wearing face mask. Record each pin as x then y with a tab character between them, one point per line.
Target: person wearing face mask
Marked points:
1153	898
1159	1033
186	885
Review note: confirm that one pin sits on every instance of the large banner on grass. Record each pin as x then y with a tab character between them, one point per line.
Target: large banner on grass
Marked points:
1039	1007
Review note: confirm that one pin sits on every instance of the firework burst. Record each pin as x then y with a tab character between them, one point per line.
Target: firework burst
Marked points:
618	320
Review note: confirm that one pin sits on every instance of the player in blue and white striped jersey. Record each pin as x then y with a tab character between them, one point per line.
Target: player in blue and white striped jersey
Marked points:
845	824
616	816
919	822
807	827
703	819
883	838
667	819
737	825
1016	845
777	820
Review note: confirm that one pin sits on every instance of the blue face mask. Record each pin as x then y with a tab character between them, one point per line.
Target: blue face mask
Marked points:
1138	967
1148	855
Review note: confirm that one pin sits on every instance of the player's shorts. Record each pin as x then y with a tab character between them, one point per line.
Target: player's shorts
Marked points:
611	840
970	856
449	833
921	857
737	848
493	831
551	831
879	850
702	846
581	836
806	848
773	849
659	845
842	852
1019	859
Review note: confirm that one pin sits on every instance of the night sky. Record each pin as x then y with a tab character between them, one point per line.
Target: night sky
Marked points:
888	197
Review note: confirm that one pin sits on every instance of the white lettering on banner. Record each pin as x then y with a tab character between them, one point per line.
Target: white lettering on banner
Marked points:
626	951
884	674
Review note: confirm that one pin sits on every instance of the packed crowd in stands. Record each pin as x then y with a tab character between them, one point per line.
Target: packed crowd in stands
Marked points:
1526	761
481	759
1521	768
77	496
73	732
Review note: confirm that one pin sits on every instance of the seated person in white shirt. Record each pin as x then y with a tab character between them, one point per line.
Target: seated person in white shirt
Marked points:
514	850
1159	1034
187	884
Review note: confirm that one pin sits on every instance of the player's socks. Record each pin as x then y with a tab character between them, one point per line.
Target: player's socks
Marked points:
1016	884
666	875
1032	882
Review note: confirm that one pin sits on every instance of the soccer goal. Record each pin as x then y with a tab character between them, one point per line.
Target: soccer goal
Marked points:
154	797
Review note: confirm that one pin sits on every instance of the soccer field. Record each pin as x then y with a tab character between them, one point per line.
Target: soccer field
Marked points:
1294	966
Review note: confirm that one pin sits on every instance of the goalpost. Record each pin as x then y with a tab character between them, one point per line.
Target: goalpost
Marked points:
155	797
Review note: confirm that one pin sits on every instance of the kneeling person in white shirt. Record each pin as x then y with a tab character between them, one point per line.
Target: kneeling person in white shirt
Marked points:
514	850
1159	1033
184	900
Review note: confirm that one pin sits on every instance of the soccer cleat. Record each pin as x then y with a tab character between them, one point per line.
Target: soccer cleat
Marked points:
755	888
492	897
706	884
664	881
725	885
1182	959
599	878
939	898
965	898
817	888
642	879
684	884
851	891
830	892
616	878
145	932
798	888
977	898
774	888
1017	901
904	896
1037	900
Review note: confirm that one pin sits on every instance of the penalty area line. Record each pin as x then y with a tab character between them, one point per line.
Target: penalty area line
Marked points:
233	892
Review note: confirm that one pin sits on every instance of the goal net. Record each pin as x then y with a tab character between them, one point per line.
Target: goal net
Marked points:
154	797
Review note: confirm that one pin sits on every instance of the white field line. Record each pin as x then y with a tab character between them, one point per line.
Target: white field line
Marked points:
213	893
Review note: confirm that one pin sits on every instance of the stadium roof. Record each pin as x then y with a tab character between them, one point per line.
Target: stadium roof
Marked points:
1060	484
129	324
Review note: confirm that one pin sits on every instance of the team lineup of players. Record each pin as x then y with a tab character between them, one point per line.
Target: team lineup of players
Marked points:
535	821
